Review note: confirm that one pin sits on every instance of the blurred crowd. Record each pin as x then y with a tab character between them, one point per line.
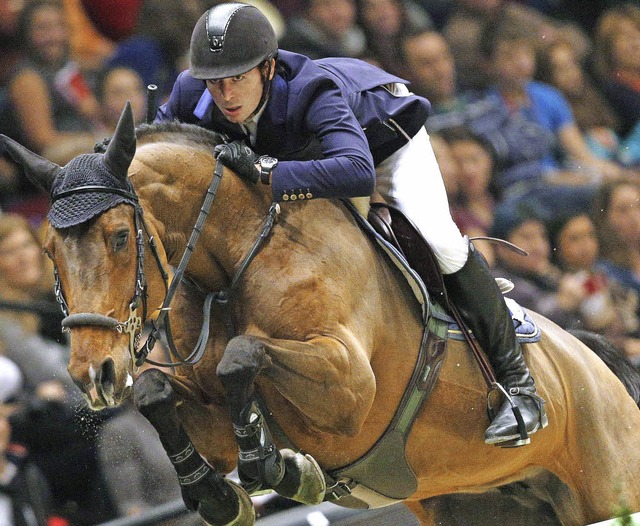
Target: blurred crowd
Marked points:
535	121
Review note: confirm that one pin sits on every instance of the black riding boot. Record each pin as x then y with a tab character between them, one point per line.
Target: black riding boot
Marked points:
475	293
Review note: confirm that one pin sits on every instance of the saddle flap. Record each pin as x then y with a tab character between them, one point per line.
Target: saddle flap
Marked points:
396	228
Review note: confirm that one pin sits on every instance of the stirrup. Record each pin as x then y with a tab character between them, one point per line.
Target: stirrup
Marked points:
522	437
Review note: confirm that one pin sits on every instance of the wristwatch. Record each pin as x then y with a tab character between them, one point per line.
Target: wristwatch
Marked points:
267	164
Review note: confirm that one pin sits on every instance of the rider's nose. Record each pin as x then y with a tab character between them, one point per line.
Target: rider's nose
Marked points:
225	89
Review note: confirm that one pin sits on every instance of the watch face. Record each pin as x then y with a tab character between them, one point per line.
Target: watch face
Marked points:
268	162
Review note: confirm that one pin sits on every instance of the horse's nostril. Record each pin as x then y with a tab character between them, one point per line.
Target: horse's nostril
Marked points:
107	374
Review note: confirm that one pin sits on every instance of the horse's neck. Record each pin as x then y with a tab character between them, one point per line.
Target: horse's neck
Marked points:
173	194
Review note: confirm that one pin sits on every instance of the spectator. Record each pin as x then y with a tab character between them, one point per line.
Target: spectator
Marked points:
59	433
538	284
55	111
158	47
432	72
607	307
617	219
520	144
47	105
326	28
617	61
559	65
384	22
468	19
476	199
448	168
539	124
24	495
114	87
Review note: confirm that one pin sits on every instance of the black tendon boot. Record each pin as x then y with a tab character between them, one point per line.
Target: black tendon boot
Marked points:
475	293
260	465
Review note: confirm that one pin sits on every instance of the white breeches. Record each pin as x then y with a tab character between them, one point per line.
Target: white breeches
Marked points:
411	179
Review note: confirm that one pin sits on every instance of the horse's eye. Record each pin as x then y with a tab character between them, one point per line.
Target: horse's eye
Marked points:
120	239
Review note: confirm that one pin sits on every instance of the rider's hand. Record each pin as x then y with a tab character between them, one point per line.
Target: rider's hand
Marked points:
237	156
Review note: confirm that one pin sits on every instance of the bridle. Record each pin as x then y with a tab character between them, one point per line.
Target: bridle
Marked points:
134	324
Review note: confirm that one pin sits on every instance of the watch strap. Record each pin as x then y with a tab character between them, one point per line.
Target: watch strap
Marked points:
265	172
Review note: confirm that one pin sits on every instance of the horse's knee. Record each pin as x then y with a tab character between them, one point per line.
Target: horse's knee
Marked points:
243	359
153	394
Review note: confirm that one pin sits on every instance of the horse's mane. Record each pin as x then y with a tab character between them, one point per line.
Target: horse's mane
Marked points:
615	359
178	132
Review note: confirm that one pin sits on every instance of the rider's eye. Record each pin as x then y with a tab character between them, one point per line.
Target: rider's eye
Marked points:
120	239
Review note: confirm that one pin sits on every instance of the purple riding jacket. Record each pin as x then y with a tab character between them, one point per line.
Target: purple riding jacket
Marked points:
328	121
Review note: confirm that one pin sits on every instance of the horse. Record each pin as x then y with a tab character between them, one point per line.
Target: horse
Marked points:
309	353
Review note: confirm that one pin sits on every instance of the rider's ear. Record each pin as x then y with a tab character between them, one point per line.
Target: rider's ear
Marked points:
272	68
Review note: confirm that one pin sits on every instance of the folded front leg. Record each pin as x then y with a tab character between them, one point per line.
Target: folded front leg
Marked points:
321	376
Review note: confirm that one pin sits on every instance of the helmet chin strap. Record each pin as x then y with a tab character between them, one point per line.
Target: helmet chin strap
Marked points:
266	88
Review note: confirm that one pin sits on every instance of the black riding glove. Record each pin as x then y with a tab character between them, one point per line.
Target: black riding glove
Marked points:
237	156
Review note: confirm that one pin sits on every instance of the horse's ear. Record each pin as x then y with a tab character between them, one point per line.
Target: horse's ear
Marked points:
122	147
39	170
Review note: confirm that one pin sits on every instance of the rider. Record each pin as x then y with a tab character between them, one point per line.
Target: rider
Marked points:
338	128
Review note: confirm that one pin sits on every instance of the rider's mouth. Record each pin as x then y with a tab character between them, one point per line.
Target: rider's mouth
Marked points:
232	111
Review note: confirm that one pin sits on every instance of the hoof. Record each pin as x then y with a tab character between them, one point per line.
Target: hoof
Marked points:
246	514
303	481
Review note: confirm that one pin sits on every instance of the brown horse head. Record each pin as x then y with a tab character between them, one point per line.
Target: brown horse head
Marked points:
92	241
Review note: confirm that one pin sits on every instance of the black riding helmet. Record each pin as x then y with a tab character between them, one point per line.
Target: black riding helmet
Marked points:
230	39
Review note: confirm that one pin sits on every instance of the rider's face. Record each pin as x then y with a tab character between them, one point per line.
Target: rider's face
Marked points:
238	97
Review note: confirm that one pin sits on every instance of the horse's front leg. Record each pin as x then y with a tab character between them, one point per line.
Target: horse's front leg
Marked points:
261	465
219	502
313	375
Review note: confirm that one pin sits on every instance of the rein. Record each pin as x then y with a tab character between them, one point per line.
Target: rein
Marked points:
134	323
221	297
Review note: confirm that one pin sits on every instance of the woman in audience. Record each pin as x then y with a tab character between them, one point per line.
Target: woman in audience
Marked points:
616	215
538	283
559	65
114	87
617	61
55	110
476	198
608	307
53	424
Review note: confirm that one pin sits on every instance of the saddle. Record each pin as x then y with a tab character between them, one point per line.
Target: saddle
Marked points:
396	229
